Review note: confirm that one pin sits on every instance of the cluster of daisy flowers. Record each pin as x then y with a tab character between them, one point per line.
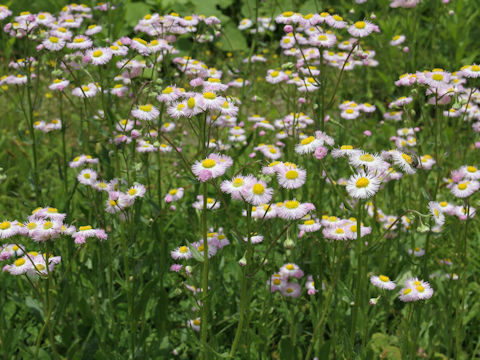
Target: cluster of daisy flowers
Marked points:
350	110
264	24
216	240
413	290
283	281
55	124
44	224
335	228
464	181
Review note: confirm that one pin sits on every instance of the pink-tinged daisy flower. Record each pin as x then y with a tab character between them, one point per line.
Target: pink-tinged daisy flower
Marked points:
212	249
350	114
99	56
119	90
309	225
291	270
437	212
62	33
397	40
169	94
177	110
46	230
194	105
308	145
182	252
101	186
336	22
344	150
326	40
211	101
465	188
275	77
418	252
48	213
462	214
145	112
236	186
361	29
211	167
256	192
471	172
371	162
80	42
291	178
291	290
263	211
85	90
212	204
393	115
93	29
363	185
338	233
383	282
140	46
437	78
87	177
136	191
54	43
19	266
401	101
254	238
9	229
112	205
276	282
471	71
194	324
4	12
59	84
174	195
85	232
294	210
118	50
310	286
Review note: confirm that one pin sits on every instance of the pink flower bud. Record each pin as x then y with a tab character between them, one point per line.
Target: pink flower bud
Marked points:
205	175
261	133
168	198
477	145
320	152
173	208
367	133
252	155
135	134
327	118
406	50
302	100
288	28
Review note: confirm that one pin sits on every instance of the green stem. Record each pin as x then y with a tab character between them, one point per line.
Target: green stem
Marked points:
358	288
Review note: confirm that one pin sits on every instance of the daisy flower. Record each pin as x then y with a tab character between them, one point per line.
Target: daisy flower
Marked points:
46	230
308	145
471	172
93	29
363	185
236	186
344	150
136	191
291	290
145	112
211	101
471	71
85	232
276	282
361	29
418	252
337	233
59	84
437	213
256	192
371	162
383	282
85	90
415	290
53	43
291	178
9	229
254	238
294	210
209	168
87	177
309	225
465	188
80	42
174	195
212	204
194	324
336	22
403	160
19	266
397	40
182	252
291	270
350	114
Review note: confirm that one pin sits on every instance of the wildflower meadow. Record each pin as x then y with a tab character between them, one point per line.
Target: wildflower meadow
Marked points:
240	179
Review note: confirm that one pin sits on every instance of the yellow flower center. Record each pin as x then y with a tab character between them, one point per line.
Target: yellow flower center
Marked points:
339	231
309	222
191	102
208	163
471	169
209	95
53	39
349	111
384	278
19	262
31	226
291	174
437	77
367	157
210	200
167	90
274	73
353	228
277	281
183	249
475	68
146	108
462	186
290	267
132	192
288	13
97	53
362	182
78	40
15	248
237	182
307	140
258	189
420	288
360	24
85	88
407	291
113	202
292	204
48	225
346	147
5	225
322	37
407	158
39	267
196	322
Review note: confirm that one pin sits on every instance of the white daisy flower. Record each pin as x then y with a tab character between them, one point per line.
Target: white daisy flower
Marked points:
362	185
146	112
383	282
